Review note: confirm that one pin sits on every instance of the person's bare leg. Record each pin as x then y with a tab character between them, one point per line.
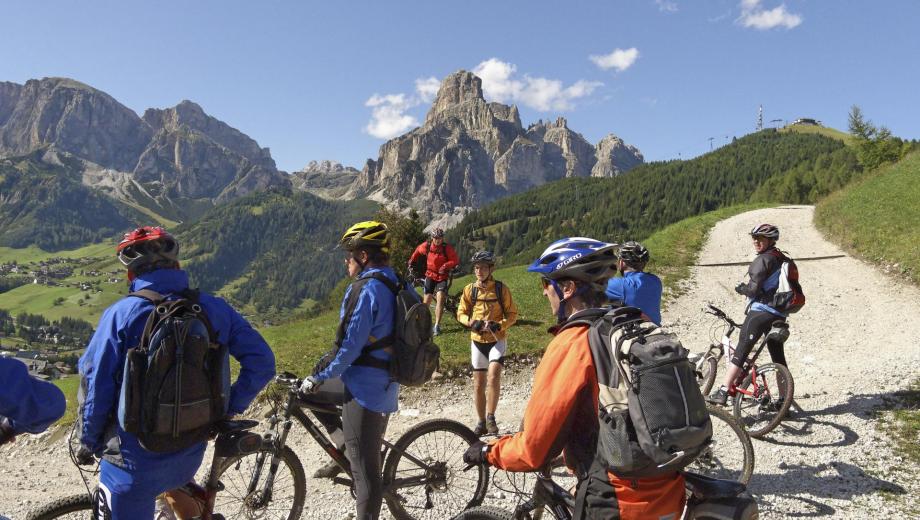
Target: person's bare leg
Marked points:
731	375
438	307
426	299
184	506
494	387
479	393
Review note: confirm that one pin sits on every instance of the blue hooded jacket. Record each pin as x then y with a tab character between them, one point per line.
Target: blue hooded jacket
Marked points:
30	404
119	329
373	317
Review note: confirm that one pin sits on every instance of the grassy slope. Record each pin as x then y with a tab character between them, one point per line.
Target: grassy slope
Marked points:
298	344
833	133
878	217
39	299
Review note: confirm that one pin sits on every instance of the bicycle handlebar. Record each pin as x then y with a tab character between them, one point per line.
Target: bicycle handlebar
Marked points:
719	313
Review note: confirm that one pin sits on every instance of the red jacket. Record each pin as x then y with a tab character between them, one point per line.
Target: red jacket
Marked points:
441	259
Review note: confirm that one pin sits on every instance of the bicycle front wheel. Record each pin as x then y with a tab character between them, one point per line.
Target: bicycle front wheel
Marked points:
246	493
485	513
766	401
425	477
730	455
77	507
706	373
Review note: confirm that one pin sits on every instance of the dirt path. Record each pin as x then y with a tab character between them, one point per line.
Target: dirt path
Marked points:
855	343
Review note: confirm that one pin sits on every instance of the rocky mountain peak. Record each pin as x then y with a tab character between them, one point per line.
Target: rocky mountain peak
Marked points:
326	167
456	89
615	157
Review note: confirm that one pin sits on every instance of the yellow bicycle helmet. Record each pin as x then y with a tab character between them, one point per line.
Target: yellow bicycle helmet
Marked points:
368	233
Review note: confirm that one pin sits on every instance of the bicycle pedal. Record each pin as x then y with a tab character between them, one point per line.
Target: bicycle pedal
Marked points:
342	481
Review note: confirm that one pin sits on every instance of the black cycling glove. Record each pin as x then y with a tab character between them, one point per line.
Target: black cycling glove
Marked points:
477	325
741	289
85	456
495	326
477	453
6	431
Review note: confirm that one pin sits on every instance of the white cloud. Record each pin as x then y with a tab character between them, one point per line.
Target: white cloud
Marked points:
388	115
666	6
427	88
619	59
753	15
501	83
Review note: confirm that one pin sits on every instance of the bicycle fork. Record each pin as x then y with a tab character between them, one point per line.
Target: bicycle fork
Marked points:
277	440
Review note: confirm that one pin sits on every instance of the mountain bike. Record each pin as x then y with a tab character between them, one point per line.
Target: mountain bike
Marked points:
220	492
758	403
707	498
424	476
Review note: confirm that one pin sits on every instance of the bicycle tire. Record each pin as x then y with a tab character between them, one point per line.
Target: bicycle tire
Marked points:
414	444
749	410
706	377
721	463
485	513
251	503
61	508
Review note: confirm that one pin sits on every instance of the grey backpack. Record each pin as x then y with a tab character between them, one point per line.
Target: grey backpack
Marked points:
651	415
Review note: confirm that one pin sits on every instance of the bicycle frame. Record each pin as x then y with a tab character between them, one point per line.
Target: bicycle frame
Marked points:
293	410
749	368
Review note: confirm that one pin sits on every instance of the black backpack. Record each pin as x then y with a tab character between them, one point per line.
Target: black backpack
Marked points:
651	415
176	382
474	297
414	357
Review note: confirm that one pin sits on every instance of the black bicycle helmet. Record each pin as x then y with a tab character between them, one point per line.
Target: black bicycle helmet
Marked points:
766	230
483	257
634	254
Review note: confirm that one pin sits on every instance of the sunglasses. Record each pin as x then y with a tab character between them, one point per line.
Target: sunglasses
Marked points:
545	282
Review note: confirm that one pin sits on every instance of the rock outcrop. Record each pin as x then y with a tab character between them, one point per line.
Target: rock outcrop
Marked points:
326	179
470	152
615	157
176	162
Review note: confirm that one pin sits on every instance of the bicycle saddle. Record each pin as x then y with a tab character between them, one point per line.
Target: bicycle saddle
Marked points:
705	487
224	427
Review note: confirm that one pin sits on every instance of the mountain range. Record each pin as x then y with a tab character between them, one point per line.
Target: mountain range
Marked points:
470	152
174	163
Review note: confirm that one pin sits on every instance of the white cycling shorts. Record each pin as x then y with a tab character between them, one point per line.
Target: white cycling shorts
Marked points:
481	354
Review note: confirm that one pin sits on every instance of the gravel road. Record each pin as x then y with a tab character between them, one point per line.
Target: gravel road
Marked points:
855	343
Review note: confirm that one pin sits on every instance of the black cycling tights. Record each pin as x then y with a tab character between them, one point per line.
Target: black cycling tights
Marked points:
756	324
363	431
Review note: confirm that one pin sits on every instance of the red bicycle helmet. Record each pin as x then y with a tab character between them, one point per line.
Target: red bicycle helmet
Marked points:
147	246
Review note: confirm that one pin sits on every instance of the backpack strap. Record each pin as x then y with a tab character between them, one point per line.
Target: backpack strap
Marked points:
149	295
474	296
365	359
157	299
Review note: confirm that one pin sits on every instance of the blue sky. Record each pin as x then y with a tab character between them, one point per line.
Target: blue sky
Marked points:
307	78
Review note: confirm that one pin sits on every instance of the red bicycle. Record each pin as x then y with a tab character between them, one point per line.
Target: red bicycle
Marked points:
759	404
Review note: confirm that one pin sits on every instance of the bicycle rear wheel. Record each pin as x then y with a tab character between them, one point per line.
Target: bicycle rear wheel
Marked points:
425	477
77	507
730	455
769	401
244	498
485	513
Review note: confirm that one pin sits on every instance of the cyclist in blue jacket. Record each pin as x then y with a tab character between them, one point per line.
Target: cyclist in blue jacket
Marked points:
636	288
356	377
27	404
130	476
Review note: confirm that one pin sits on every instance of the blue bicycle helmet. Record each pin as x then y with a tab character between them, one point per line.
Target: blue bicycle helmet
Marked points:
577	258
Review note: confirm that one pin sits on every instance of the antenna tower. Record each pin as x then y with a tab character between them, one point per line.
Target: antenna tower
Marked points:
760	118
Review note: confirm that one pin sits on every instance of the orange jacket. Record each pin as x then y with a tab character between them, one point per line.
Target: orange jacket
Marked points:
562	414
